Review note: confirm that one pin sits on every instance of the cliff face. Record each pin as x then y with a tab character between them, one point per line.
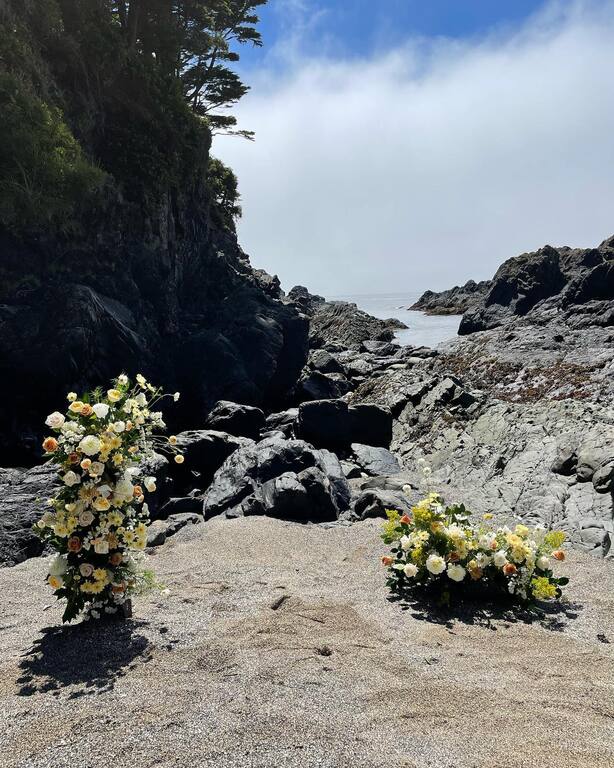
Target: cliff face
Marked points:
165	292
132	262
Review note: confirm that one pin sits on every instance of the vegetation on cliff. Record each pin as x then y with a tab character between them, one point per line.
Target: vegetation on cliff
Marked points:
100	99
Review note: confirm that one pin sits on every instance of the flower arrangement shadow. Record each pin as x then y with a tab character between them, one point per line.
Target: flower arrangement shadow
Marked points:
86	657
497	613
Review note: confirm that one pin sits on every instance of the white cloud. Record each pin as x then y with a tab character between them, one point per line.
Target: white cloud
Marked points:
433	163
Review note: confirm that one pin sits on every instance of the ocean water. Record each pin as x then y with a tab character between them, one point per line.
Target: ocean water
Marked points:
424	330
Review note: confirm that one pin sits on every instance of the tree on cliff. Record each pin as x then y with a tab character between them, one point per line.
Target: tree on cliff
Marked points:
115	93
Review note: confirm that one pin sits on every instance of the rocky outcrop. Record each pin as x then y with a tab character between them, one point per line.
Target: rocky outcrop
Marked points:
288	479
576	283
241	420
22	502
340	323
454	301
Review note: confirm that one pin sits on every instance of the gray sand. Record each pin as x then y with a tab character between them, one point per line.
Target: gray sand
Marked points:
336	675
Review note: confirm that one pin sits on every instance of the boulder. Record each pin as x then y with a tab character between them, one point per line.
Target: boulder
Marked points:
161	530
22	502
603	479
323	361
324	423
280	478
375	502
341	322
205	451
314	385
375	460
240	420
370	424
283	421
351	470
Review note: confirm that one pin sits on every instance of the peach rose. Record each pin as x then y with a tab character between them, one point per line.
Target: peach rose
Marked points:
405	519
387	560
559	555
115	558
138	491
476	573
73	458
74	544
50	444
453	557
118	588
113	541
509	569
86	463
87	410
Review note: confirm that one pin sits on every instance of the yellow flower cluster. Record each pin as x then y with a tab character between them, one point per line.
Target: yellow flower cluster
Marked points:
439	545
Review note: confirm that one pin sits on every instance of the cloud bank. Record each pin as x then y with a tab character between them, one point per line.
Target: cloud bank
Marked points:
432	163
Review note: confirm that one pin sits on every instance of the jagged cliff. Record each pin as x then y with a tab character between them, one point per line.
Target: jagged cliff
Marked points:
127	258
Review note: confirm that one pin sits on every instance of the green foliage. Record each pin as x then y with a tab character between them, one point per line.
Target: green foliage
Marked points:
44	175
223	190
127	91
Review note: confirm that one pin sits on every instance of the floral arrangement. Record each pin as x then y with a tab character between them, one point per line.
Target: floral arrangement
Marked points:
438	547
98	519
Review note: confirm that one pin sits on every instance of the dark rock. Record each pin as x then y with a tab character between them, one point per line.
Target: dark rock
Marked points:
575	281
370	424
322	386
454	301
181	505
375	502
374	460
381	348
305	301
343	323
565	461
283	422
161	530
323	361
324	423
240	420
205	450
279	478
22	502
351	470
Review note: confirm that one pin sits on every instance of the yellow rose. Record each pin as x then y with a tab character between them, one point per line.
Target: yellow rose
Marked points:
114	395
55	582
76	406
101	504
179	459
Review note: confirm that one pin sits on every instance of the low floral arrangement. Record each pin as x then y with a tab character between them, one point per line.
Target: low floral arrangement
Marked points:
437	547
98	519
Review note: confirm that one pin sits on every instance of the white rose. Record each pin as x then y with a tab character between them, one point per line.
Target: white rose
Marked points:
500	558
101	547
71	478
410	570
124	489
119	426
435	564
405	543
55	420
86	517
543	563
485	541
101	410
150	484
123	379
456	572
96	468
176	396
141	399
58	566
90	445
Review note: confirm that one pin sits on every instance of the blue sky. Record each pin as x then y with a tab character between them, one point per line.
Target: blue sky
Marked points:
349	28
412	144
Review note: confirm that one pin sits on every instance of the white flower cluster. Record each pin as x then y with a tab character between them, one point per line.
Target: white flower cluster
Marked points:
98	519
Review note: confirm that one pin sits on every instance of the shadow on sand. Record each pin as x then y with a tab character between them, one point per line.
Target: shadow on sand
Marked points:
89	656
497	613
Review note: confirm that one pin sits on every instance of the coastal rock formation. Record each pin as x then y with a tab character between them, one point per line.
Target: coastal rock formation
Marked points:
577	283
454	301
279	478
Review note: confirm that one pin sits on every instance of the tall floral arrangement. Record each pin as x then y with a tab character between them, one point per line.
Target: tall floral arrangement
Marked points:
97	521
440	548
